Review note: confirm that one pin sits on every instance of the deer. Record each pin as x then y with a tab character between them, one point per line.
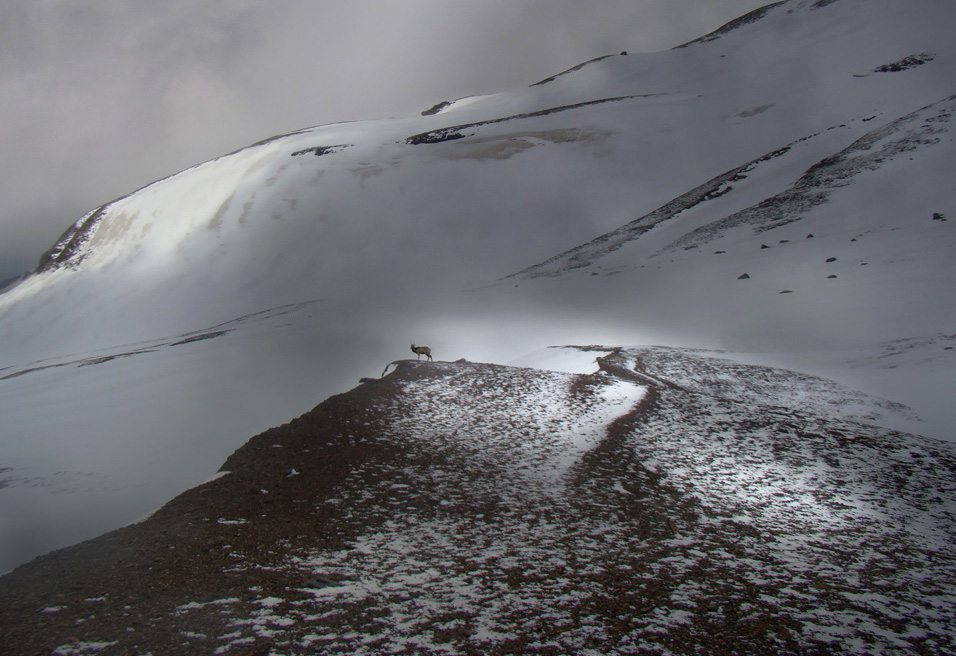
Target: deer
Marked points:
422	350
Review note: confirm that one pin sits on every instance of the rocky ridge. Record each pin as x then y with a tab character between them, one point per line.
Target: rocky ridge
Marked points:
672	502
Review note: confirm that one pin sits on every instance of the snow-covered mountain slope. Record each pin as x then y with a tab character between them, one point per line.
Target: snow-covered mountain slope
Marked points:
346	242
472	508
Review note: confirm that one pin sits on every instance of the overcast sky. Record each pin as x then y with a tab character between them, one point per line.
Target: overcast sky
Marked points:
100	97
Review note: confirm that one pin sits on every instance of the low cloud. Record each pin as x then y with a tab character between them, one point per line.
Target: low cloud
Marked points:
100	98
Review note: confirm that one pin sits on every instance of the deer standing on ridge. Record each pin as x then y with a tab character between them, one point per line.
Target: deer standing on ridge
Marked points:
422	350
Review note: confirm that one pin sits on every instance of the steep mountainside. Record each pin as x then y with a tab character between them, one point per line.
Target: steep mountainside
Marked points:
778	188
471	508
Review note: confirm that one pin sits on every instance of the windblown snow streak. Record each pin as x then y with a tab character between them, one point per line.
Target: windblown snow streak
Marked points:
909	133
904	135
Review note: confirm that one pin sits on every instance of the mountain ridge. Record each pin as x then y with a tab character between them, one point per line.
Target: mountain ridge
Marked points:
809	190
191	321
563	514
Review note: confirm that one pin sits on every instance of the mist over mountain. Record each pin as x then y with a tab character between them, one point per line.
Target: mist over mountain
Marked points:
778	189
100	98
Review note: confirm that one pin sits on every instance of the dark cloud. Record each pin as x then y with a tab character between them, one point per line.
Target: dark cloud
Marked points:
99	97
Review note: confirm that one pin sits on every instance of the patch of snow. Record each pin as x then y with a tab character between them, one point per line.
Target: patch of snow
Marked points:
567	359
79	648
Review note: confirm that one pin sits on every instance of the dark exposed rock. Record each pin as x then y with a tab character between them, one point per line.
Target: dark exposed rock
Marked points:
746	19
905	64
318	151
67	249
457	131
571	70
435	109
200	337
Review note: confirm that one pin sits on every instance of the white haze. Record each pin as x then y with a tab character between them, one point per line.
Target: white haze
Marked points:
100	97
